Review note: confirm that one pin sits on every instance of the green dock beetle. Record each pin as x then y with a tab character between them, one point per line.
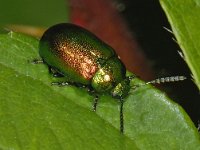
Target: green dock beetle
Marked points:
73	52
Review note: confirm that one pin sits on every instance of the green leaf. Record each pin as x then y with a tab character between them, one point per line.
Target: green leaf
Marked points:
36	115
184	18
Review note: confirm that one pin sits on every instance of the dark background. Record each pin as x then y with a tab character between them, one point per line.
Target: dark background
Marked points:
147	19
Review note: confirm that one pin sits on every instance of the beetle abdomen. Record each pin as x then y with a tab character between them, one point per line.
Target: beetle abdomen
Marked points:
74	52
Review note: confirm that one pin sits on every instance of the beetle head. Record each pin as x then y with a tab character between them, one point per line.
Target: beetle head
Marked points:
121	90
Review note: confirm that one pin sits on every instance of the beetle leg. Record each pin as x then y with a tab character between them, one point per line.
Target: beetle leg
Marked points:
60	83
96	98
66	83
121	116
131	77
37	61
55	73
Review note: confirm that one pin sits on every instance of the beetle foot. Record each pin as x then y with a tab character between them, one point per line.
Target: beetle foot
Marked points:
132	77
121	116
95	103
57	75
60	83
36	61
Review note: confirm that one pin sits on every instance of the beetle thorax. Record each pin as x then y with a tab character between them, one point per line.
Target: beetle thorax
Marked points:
109	75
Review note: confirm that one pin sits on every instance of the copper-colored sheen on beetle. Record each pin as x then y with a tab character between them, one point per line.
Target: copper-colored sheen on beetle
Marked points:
79	55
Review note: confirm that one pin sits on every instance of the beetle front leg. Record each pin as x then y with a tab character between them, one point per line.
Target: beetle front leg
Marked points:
66	83
55	73
37	61
121	116
60	83
96	99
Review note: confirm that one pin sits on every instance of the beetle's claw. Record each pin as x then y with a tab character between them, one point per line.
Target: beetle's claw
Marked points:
95	103
36	61
60	83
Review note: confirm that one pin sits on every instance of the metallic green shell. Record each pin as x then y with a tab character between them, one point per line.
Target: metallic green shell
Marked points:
74	52
82	58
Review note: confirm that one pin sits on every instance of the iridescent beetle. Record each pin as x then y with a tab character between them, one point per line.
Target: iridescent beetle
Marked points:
73	52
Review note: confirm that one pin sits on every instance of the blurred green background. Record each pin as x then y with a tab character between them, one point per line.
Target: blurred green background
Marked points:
37	13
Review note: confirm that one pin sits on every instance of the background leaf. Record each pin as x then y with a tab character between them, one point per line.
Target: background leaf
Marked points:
34	114
185	21
36	13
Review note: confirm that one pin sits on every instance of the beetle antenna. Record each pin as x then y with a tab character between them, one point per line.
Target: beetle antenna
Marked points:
167	79
163	80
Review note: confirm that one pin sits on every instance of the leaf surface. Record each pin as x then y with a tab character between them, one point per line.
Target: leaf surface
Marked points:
34	114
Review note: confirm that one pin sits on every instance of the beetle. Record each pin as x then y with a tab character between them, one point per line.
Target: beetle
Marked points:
73	52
